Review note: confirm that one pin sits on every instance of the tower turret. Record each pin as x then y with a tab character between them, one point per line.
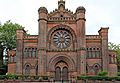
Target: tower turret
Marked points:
42	40
81	39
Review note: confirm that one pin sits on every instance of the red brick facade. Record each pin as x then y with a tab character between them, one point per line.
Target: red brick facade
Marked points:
62	50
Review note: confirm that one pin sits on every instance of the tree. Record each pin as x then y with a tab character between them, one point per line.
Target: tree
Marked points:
115	47
8	36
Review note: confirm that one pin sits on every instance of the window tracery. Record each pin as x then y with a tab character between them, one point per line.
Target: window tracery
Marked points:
61	39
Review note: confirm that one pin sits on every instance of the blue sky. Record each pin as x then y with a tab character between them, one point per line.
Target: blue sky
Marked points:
99	13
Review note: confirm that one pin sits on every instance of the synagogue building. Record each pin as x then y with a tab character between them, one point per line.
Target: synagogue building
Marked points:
62	49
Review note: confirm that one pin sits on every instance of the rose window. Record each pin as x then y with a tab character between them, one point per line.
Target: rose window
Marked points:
61	39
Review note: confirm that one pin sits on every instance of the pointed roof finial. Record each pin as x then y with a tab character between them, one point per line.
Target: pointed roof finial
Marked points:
61	3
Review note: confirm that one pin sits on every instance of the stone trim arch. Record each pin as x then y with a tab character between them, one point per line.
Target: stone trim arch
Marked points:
96	64
26	65
61	26
54	60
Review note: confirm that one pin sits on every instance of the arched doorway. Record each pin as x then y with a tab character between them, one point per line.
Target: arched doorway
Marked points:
96	68
27	70
61	67
61	71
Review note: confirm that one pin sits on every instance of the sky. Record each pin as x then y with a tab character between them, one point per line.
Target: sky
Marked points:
99	13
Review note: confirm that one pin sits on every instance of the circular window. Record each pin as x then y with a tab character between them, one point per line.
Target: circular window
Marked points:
61	39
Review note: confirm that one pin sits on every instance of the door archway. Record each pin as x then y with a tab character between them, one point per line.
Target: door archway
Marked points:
61	71
65	64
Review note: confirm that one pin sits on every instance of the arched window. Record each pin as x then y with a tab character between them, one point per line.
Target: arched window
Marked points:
27	55
57	74
96	68
33	53
98	54
90	53
87	53
25	52
30	51
27	70
93	53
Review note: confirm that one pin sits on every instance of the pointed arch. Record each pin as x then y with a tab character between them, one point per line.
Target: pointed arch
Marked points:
96	68
27	69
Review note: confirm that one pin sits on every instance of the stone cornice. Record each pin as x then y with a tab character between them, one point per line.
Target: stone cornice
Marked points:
81	19
42	19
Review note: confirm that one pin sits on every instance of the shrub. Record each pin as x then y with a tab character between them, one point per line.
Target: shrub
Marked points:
36	77
2	77
45	77
11	76
118	74
98	78
102	73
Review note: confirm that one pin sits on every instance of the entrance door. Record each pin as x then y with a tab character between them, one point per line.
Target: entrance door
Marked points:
61	72
57	74
65	73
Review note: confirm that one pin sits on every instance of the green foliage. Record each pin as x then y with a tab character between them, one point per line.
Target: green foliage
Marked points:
2	77
8	34
45	77
115	47
1	54
118	73
23	77
102	73
7	37
3	69
98	78
11	76
36	77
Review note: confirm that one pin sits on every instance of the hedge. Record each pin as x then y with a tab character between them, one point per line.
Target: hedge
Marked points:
23	77
98	78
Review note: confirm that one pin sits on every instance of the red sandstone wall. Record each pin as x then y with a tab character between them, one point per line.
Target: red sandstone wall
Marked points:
11	68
